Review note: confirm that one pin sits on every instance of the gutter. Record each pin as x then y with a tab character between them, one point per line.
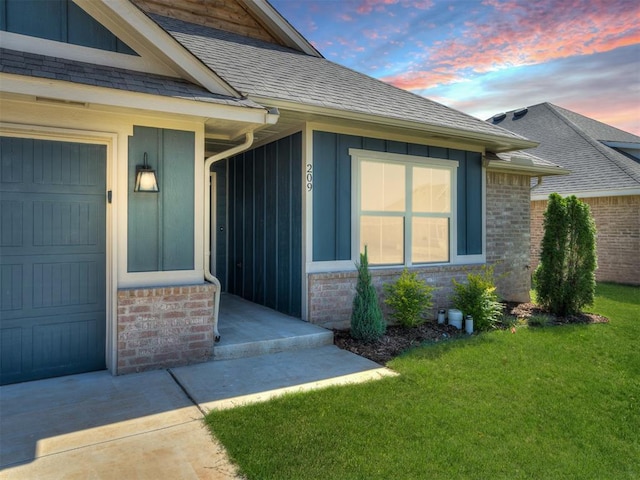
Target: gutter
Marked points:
531	170
499	143
248	141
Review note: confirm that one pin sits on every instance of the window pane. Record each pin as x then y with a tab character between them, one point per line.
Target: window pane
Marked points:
383	187
384	238
431	190
430	240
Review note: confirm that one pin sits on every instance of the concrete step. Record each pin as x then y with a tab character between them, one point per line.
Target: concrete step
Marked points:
247	329
220	384
272	345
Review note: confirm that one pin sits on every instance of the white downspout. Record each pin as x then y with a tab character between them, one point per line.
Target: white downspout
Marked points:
248	141
537	184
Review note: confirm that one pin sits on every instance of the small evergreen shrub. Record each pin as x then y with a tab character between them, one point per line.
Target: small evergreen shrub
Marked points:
565	278
408	298
367	324
478	298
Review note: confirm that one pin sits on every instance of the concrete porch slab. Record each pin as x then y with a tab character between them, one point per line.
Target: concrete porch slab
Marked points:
222	384
248	329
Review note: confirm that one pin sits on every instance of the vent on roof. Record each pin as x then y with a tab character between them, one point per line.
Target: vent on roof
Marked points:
499	117
520	112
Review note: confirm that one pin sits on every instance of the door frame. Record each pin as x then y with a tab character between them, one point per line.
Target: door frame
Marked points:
213	224
110	140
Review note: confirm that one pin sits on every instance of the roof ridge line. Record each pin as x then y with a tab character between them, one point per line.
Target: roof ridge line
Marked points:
595	143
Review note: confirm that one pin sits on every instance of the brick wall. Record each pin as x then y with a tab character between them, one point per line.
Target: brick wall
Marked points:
164	327
508	235
618	236
331	295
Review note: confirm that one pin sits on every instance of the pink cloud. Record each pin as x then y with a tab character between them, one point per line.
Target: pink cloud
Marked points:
368	6
422	80
526	33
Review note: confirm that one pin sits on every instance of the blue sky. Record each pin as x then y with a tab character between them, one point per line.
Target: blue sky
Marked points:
488	56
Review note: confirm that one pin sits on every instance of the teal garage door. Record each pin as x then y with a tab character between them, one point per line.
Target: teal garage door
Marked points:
52	258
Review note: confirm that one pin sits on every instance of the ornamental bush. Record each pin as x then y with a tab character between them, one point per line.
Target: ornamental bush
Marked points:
367	324
478	298
409	297
565	279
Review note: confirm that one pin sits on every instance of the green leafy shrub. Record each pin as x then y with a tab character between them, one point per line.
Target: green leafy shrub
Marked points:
367	323
478	298
565	278
408	298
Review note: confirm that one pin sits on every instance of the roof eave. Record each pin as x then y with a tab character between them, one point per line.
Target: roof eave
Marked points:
532	170
495	143
623	192
76	94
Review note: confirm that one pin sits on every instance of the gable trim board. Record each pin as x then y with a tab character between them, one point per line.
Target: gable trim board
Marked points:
141	33
42	46
284	30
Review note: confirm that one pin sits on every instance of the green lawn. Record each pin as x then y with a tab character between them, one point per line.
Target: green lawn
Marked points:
541	403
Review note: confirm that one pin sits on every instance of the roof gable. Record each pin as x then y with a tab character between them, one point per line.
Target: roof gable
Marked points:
579	144
255	19
275	75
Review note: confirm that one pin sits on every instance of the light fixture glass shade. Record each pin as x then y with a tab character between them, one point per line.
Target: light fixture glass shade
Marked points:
146	180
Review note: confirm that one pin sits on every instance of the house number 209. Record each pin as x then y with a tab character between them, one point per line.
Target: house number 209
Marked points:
309	177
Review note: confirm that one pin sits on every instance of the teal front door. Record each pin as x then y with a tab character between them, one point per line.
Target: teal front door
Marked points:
52	258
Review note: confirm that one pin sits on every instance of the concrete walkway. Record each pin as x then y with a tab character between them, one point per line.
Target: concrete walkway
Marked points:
144	426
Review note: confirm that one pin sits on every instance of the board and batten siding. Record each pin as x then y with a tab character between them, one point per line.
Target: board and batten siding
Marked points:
259	224
332	191
161	225
59	20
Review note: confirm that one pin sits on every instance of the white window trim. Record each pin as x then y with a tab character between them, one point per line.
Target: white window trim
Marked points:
357	156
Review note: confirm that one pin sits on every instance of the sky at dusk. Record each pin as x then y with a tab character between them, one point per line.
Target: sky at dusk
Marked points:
488	56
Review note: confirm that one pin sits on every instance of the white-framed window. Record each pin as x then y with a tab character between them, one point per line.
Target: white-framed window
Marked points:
403	208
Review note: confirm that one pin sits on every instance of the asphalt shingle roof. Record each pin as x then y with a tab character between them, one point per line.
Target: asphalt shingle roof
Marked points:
41	66
574	142
265	70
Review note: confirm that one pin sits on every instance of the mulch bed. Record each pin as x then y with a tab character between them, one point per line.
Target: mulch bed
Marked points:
399	339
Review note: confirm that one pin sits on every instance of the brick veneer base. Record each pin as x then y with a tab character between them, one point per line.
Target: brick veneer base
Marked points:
618	238
164	327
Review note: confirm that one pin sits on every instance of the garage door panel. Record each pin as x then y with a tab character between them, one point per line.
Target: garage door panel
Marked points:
11	225
67	284
11	362
11	288
67	223
52	262
69	342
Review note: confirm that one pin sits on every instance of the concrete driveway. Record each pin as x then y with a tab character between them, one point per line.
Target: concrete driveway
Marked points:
144	425
94	425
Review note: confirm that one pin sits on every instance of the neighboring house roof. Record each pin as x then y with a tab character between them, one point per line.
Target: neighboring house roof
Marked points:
579	144
41	66
268	72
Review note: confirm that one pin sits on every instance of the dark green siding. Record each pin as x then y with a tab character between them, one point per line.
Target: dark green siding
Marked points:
59	20
332	191
52	258
264	218
161	225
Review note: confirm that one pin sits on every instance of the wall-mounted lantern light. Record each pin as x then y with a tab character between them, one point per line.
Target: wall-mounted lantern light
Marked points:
146	180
